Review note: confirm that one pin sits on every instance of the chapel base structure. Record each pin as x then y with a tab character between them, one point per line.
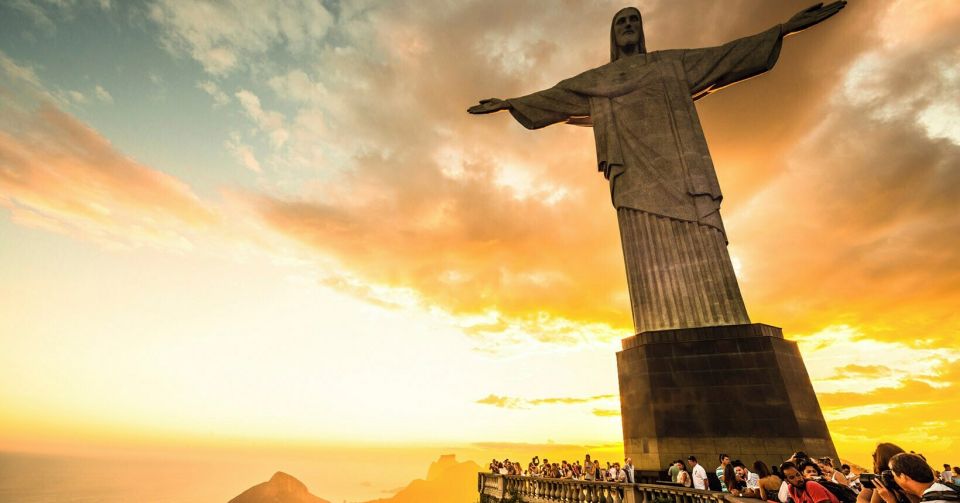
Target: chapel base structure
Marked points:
742	390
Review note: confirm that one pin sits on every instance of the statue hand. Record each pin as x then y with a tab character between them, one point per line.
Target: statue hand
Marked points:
811	16
489	105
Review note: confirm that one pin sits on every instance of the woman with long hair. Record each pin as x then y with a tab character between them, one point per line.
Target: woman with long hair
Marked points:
769	482
831	474
881	463
683	477
735	486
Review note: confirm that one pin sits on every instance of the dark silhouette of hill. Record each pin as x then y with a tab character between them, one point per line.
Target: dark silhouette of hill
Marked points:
281	488
447	480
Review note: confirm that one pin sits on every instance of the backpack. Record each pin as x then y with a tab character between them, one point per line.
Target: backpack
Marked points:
843	493
953	486
952	495
713	482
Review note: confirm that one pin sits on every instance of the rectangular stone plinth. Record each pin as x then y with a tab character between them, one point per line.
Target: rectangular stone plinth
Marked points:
737	389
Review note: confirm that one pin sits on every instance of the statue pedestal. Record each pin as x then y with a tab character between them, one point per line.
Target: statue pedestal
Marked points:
742	390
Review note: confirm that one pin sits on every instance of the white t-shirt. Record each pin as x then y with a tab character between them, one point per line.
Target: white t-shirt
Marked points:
947	476
784	492
936	487
700	477
753	480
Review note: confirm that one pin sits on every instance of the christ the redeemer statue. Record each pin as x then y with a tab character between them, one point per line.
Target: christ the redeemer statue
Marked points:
651	148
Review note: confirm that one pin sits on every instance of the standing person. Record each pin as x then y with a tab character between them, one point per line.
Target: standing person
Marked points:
683	477
631	472
803	490
621	477
724	461
673	471
698	473
588	473
947	475
769	483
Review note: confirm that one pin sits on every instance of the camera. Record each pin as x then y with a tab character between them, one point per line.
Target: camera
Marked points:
886	478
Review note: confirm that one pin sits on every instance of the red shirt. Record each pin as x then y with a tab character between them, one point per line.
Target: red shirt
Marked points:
812	492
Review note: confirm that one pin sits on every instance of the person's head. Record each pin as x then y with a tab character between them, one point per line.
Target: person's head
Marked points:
825	462
729	475
724	460
792	475
761	469
739	467
588	457
628	461
882	455
845	468
911	472
946	467
956	469
798	458
626	34
692	460
810	470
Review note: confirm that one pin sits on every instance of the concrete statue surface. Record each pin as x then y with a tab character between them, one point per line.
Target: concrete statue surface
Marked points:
651	148
695	353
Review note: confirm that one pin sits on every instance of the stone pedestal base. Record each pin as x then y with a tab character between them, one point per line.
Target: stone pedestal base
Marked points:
742	390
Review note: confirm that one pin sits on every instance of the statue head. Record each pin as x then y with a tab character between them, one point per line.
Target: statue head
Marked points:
626	34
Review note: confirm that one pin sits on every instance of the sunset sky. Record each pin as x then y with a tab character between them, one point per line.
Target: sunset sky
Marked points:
275	223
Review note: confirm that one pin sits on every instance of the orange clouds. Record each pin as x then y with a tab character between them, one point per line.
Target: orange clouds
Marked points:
477	216
839	168
521	403
59	174
917	415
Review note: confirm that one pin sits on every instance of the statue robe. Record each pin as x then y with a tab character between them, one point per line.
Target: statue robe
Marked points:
651	148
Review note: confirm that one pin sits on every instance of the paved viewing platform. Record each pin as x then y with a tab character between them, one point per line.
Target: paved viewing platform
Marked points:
496	488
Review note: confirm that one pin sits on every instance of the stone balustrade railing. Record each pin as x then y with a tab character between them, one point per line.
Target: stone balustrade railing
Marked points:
509	488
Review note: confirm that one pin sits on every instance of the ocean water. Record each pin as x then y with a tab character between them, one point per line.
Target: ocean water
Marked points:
188	477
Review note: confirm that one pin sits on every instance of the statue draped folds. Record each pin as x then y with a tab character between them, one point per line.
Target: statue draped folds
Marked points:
651	148
650	144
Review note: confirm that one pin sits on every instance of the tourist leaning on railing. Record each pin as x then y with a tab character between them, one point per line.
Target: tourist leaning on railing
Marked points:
683	476
769	483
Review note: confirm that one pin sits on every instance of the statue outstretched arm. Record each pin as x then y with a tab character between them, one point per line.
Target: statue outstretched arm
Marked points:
810	16
713	68
489	105
539	109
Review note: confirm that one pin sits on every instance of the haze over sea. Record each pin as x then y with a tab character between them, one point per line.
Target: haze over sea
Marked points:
205	476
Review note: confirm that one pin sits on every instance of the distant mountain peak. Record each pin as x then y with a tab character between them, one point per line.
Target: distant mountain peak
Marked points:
281	488
441	465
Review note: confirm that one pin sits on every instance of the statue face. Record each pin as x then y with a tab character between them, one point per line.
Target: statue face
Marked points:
627	27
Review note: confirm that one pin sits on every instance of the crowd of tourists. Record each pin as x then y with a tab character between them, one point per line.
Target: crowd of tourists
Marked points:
897	477
592	470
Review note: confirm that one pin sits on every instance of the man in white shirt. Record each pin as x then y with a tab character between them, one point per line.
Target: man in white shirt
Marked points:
699	474
946	476
631	472
915	477
752	479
